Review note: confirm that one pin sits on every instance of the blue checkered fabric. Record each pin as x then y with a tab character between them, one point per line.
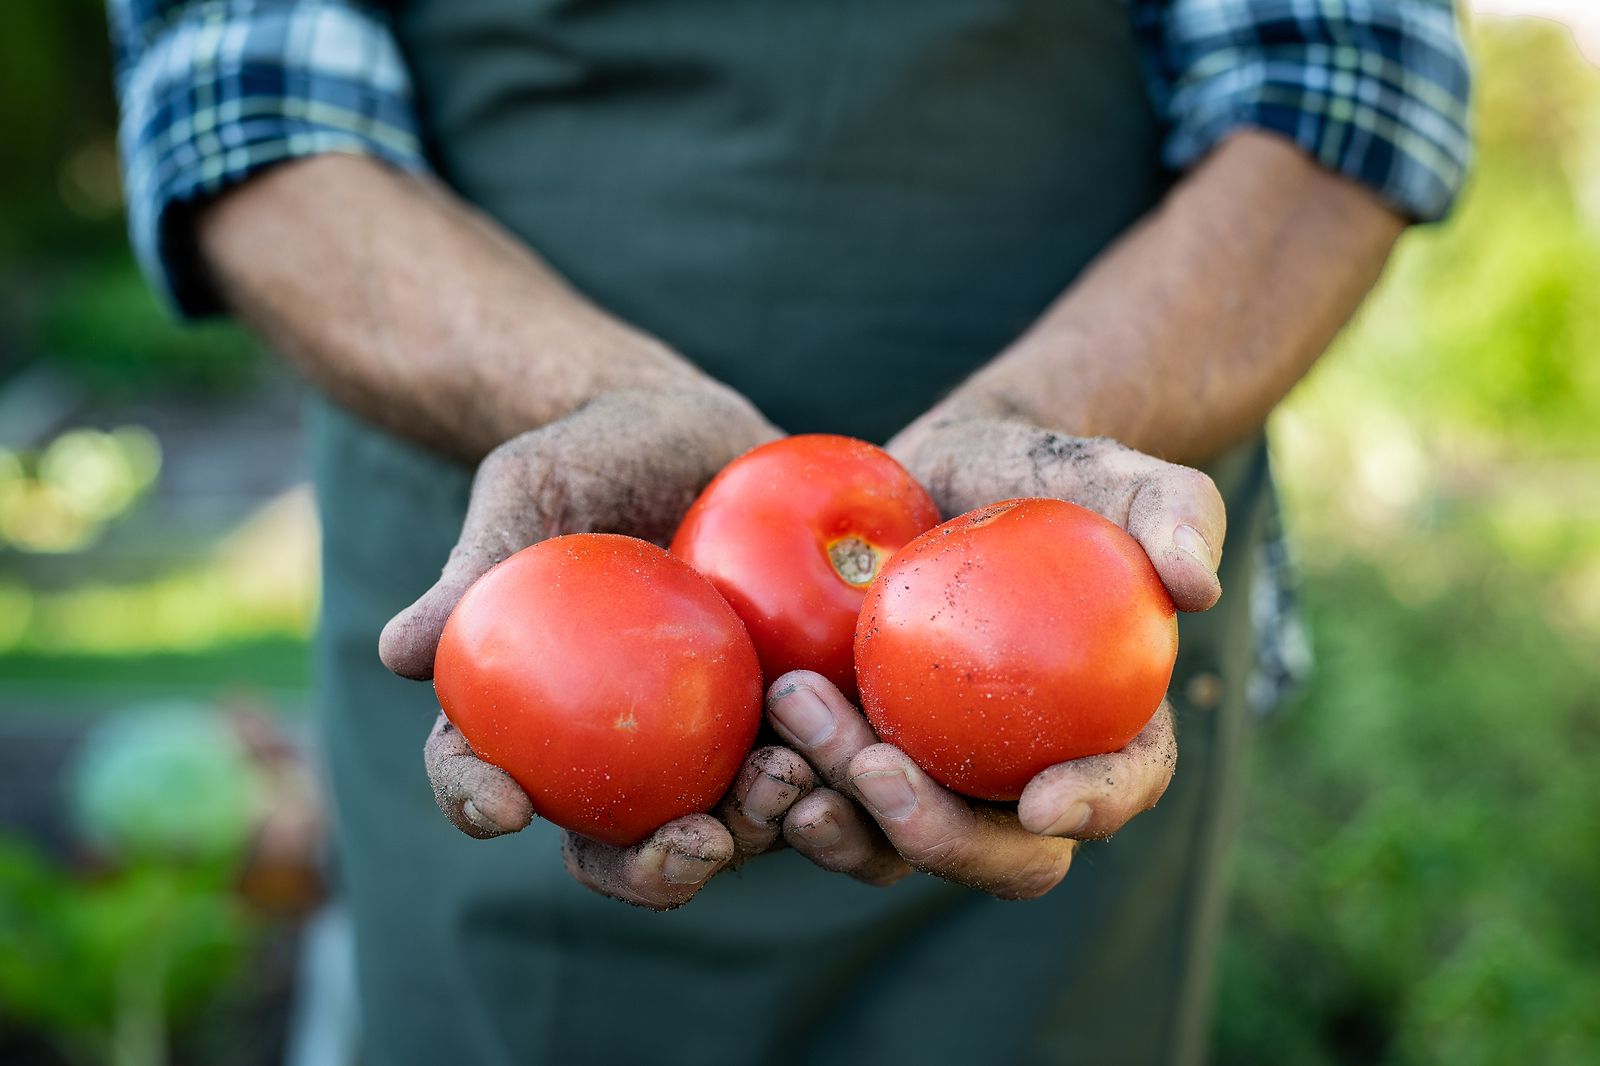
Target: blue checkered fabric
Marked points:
1374	89
215	91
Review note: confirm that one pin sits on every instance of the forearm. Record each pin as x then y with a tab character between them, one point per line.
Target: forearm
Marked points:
412	309
1182	337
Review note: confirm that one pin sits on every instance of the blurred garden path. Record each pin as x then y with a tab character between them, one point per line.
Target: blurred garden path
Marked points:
218	556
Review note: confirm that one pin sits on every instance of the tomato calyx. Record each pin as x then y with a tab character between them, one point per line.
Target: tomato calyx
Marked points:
855	561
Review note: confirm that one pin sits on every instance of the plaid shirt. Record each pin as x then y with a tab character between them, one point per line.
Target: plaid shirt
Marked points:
213	91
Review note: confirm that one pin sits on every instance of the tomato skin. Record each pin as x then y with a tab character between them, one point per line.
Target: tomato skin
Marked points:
609	679
1012	638
762	532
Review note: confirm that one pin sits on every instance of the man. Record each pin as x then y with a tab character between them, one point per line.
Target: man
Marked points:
944	224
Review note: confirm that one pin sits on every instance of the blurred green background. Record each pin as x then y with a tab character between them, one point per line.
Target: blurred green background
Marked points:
1421	857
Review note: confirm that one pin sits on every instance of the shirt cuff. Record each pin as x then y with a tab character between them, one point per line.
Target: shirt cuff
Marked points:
1377	92
228	88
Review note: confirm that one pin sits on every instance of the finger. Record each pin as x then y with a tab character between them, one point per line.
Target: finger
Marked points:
832	832
815	719
768	785
515	502
1177	516
1174	512
661	873
479	799
938	832
1094	797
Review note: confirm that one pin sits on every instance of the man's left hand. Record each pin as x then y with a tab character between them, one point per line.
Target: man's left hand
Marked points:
879	815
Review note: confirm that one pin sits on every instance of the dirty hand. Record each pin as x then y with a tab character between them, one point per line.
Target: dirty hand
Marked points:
629	462
874	814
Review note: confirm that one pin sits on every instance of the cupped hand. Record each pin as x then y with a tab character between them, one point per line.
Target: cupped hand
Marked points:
875	815
663	871
628	462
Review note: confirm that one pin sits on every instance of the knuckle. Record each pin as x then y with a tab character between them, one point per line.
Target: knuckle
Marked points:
572	861
946	853
749	836
583	865
445	777
781	763
638	880
890	874
458	818
856	855
1158	790
1107	448
878	867
1197	480
1041	873
1111	814
768	758
620	876
503	464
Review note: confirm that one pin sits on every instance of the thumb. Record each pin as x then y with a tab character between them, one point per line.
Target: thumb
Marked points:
1177	516
508	510
410	639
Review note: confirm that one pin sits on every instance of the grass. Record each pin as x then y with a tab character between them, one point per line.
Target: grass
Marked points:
1417	873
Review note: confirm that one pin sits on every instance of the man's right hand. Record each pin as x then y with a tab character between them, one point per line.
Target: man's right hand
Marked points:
428	319
629	462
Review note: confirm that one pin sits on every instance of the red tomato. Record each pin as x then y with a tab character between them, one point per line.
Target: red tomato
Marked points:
792	533
608	678
1012	638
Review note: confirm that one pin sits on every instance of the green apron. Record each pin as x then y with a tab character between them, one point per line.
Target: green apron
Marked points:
840	208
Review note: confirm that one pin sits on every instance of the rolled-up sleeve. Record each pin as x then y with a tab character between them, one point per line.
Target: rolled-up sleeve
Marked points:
1376	90
214	91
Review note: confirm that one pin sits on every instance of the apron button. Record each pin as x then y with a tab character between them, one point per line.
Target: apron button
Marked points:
1203	691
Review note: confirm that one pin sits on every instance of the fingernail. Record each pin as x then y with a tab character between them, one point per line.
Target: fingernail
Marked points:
887	792
680	869
1073	819
804	715
822	833
1189	539
768	797
470	812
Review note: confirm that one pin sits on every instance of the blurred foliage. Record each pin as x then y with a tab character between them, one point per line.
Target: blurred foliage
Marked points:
69	290
255	665
140	965
166	779
1490	323
1419	867
1418	882
55	105
61	497
206	606
102	326
107	966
